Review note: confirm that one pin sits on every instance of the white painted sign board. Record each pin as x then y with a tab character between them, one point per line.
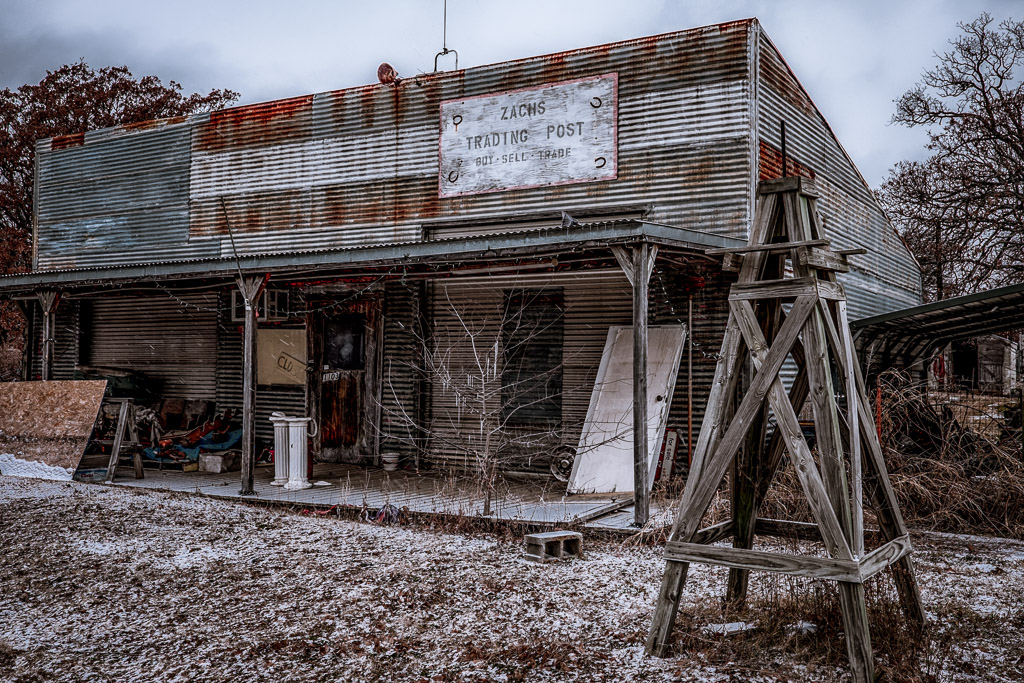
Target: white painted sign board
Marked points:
553	134
604	459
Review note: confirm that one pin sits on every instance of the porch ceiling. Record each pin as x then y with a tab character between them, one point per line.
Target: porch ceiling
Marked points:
410	255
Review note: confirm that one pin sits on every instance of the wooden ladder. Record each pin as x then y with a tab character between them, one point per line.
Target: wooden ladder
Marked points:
814	332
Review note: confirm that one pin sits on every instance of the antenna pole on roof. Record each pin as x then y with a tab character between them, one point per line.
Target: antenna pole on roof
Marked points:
444	41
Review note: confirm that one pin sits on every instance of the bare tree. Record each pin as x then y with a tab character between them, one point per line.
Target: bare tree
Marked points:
498	372
961	211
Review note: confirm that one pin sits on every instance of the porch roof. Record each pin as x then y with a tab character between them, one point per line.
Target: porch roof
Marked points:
496	246
915	332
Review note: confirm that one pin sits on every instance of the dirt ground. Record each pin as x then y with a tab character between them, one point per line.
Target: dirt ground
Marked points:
108	584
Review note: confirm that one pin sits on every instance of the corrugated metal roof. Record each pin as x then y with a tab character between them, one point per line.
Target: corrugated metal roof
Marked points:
912	333
453	248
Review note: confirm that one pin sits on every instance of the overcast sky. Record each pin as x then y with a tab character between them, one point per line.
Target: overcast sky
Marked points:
853	57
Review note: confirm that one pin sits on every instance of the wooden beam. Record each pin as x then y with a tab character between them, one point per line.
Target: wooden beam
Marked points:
822	259
779	563
659	640
770	248
27	351
697	496
805	186
787	288
641	483
883	556
784	528
714	533
48	301
787	422
250	287
115	450
674	579
625	260
853	420
855	628
890	519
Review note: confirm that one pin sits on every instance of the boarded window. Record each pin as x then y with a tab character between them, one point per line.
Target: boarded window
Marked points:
531	376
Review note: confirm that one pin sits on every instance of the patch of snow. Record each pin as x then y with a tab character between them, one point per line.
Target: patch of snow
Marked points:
803	627
13	466
730	628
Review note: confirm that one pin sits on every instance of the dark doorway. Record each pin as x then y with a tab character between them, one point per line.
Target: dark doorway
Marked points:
345	389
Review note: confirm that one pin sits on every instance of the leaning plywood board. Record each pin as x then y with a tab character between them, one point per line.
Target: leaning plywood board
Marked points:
45	426
604	459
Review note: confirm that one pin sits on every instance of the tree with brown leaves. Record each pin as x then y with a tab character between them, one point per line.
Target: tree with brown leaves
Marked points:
69	100
961	210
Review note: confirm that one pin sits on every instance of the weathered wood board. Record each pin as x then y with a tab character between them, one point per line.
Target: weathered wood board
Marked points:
554	134
45	426
604	461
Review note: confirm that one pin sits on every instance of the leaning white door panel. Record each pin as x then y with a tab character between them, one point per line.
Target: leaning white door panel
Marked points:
604	459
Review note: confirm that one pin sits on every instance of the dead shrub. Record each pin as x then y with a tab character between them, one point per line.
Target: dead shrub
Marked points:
948	477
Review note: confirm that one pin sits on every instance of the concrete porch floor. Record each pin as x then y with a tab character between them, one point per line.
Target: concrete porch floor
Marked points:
541	502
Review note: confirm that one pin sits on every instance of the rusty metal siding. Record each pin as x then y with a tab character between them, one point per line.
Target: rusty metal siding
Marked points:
401	402
67	332
290	400
672	288
887	277
593	301
119	197
172	341
359	166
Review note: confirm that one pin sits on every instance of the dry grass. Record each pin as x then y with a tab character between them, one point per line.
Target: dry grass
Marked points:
948	477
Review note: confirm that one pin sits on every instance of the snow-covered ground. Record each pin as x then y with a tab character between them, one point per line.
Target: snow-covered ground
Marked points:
101	583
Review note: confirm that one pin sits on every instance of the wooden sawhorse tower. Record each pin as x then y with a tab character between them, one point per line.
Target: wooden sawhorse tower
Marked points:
813	331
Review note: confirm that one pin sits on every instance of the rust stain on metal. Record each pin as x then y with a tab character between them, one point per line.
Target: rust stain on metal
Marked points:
779	77
66	141
152	123
368	103
257	125
769	163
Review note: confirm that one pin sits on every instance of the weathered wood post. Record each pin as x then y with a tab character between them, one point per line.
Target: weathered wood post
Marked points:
27	353
641	490
250	287
637	265
48	300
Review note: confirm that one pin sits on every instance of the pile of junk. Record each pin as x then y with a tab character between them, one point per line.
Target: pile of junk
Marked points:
172	433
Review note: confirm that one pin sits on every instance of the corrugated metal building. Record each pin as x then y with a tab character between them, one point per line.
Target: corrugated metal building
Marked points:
389	234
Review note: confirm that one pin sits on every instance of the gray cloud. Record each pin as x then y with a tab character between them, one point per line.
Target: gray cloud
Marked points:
853	58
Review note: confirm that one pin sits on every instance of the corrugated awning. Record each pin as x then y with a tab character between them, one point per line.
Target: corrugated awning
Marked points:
446	250
913	333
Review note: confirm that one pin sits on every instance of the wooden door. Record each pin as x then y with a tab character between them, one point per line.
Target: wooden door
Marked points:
345	388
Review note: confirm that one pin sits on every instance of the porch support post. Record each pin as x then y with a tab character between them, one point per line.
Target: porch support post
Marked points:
250	287
48	300
29	337
641	489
